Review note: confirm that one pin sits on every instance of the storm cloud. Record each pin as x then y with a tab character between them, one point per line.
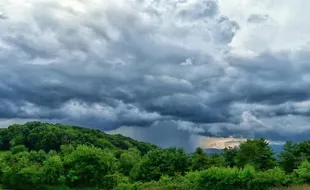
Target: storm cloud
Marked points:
200	67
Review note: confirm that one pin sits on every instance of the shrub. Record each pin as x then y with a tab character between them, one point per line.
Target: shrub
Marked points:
18	149
302	173
275	177
238	179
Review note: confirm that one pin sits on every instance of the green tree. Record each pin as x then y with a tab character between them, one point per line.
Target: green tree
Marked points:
19	139
37	156
256	152
302	152
128	159
86	166
288	159
303	149
229	155
67	149
199	160
216	160
20	173
53	171
160	162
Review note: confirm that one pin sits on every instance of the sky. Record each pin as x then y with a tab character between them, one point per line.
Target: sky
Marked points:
163	71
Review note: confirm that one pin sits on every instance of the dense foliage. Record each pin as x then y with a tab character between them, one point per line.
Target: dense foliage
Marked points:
44	136
46	156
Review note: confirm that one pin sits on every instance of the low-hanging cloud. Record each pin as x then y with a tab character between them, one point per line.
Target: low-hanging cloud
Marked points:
207	66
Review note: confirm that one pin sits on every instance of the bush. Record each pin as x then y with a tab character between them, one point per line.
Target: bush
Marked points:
18	149
166	183
23	178
275	177
301	175
238	179
216	178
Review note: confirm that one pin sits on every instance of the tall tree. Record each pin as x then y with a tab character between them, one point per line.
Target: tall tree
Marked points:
288	159
256	152
302	151
199	160
230	156
160	162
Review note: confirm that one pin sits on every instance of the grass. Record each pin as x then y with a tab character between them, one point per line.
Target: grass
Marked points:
302	187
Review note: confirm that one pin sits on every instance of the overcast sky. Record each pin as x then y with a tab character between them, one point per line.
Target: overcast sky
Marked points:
159	69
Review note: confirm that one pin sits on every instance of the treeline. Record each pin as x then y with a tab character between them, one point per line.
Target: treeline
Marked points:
46	156
45	136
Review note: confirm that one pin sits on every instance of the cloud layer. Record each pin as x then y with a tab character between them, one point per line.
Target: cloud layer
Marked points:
206	67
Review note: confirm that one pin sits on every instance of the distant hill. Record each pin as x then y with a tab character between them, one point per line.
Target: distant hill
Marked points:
210	151
46	136
276	148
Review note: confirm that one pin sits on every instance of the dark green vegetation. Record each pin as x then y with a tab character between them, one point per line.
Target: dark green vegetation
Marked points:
46	156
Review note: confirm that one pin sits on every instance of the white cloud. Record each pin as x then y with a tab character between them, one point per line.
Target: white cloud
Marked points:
187	62
285	28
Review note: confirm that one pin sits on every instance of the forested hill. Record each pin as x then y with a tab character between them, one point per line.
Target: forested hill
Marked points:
46	136
41	156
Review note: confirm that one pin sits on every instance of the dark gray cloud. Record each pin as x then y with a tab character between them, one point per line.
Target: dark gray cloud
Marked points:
165	134
175	67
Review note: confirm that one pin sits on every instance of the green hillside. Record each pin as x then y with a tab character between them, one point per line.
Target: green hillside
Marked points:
46	136
57	157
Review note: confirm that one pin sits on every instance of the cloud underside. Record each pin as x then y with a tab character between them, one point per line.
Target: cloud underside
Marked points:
194	67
